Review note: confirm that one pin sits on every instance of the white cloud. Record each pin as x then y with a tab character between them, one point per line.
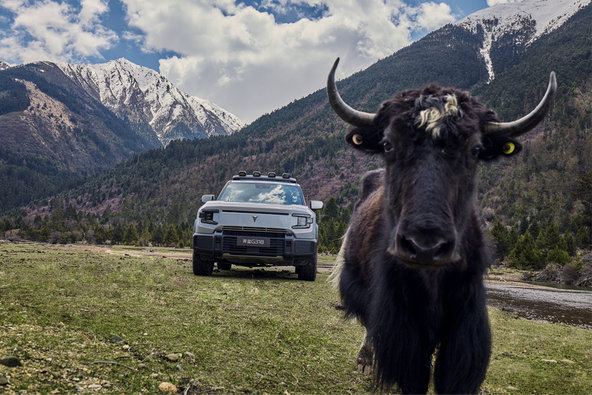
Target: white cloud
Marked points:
245	61
91	11
433	15
494	2
239	57
51	30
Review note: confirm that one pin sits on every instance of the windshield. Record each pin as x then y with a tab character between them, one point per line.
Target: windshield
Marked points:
262	192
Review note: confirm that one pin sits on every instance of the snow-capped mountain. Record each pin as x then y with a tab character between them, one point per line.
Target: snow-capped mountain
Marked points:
143	97
518	24
4	65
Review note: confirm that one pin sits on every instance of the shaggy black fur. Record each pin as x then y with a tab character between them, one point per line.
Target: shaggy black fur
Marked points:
428	186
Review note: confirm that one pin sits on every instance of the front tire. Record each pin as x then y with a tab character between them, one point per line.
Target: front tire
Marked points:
308	272
201	267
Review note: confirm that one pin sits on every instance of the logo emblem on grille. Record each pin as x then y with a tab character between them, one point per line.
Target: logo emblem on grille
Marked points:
255	218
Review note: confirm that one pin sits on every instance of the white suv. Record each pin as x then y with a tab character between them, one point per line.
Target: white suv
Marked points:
257	220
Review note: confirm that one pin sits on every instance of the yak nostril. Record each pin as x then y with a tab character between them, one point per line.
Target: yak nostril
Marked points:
422	249
445	250
408	247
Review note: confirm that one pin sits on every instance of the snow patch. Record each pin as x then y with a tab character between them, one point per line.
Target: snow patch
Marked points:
485	53
548	15
538	16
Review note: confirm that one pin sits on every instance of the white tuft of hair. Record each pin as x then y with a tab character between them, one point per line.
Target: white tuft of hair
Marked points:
335	275
429	118
451	106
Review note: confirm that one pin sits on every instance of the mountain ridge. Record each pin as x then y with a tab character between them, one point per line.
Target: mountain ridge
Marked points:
522	23
141	95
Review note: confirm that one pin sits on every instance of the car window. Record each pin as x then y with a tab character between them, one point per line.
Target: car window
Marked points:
262	192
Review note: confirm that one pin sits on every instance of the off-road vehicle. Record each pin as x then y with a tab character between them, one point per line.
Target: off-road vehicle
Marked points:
257	220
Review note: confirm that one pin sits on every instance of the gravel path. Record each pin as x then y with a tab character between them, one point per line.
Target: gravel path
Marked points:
573	307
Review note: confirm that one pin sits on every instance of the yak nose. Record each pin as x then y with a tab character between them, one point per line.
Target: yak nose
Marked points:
425	247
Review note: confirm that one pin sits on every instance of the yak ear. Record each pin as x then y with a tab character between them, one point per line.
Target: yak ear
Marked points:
366	138
495	145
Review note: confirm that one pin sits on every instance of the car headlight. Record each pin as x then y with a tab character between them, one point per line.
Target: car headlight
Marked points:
207	216
303	221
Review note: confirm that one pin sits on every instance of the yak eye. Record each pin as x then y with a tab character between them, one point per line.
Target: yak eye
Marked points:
476	150
357	139
508	148
388	147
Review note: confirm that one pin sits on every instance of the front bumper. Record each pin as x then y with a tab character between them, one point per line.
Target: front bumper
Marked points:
283	248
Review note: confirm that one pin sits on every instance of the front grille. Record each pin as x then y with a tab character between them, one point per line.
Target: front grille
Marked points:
276	243
250	230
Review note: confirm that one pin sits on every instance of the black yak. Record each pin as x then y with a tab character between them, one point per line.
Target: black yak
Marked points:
412	261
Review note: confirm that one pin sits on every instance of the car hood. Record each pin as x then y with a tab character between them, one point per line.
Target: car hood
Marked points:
263	208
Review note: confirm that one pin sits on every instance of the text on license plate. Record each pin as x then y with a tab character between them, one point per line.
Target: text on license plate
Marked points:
252	241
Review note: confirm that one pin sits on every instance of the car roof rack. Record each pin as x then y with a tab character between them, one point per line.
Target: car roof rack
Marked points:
271	176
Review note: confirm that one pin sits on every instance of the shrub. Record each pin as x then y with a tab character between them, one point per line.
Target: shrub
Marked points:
570	274
550	274
55	237
13	235
557	255
585	279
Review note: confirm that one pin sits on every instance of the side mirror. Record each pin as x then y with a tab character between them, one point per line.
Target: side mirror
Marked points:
207	198
316	205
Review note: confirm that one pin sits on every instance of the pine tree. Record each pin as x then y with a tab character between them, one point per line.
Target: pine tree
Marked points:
584	193
130	236
145	237
512	238
534	228
584	238
548	239
117	234
158	235
100	234
524	255
171	238
331	210
500	238
524	225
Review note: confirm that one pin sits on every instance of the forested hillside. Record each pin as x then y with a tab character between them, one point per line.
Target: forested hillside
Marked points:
60	123
546	194
546	187
52	134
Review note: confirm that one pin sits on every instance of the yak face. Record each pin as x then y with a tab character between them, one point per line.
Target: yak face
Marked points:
431	141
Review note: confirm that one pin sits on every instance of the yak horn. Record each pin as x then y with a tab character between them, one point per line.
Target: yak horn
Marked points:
526	123
345	112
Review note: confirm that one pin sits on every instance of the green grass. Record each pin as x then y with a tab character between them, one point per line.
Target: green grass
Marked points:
239	331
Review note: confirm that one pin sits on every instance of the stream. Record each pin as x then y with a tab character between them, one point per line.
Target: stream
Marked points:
573	307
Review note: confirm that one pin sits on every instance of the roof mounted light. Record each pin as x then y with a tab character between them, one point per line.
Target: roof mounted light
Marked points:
271	174
256	174
242	173
286	175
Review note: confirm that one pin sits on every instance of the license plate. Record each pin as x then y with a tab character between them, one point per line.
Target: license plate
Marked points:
245	241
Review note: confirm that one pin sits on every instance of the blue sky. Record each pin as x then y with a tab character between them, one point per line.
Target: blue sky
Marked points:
248	56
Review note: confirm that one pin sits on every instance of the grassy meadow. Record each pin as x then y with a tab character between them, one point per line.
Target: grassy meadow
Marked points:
81	320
